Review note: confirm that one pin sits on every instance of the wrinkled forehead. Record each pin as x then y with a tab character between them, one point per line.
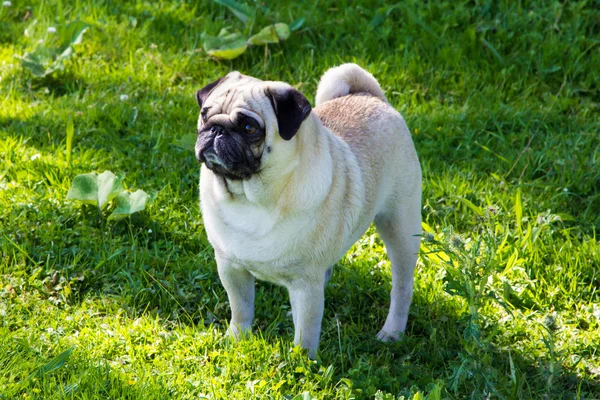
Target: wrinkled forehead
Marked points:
235	92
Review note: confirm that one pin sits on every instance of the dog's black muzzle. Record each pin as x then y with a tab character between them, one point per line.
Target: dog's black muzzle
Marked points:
225	152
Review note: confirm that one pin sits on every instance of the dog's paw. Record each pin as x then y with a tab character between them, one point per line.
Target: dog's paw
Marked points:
388	337
232	334
237	332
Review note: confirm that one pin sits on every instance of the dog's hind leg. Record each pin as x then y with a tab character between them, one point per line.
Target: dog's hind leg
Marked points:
400	227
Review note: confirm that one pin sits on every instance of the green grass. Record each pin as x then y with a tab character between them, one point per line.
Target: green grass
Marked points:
503	102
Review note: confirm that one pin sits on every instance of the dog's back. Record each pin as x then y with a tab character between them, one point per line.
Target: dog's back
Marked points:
353	106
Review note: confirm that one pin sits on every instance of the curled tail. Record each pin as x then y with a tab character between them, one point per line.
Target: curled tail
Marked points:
344	80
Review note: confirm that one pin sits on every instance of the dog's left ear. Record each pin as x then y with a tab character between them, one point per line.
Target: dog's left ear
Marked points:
291	109
202	94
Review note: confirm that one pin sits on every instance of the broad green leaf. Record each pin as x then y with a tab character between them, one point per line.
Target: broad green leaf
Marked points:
271	34
266	35
84	188
72	34
283	31
243	11
65	55
44	60
225	46
55	363
228	52
129	203
95	189
109	186
38	61
31	63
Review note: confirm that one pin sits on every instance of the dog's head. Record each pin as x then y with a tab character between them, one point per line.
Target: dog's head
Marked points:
243	120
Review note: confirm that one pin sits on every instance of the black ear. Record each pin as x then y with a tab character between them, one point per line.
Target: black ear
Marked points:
291	108
202	94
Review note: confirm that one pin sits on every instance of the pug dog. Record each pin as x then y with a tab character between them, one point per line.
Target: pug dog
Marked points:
286	189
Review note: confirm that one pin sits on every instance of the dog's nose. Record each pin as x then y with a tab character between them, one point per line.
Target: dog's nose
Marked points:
217	130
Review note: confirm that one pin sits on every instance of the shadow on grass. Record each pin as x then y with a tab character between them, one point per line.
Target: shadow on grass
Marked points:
436	348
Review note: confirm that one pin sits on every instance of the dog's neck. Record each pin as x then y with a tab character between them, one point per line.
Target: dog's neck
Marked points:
311	176
304	178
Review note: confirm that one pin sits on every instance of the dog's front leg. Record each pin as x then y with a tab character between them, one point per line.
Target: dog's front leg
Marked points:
308	301
239	284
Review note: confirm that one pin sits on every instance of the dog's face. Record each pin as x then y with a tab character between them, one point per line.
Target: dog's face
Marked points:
242	120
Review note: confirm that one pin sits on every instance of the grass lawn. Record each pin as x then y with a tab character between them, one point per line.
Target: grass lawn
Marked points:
502	99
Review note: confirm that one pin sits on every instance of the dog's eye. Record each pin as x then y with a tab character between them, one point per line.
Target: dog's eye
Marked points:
204	117
250	129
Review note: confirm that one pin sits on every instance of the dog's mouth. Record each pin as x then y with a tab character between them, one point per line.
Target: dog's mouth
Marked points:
223	161
211	159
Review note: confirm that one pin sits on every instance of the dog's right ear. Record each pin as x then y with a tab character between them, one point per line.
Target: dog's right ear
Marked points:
291	108
202	94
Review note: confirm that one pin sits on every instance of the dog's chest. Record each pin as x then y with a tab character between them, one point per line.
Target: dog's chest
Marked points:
272	248
254	236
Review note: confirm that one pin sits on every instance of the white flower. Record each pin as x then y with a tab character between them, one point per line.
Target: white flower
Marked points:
40	41
124	97
51	29
149	230
35	156
565	189
7	4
